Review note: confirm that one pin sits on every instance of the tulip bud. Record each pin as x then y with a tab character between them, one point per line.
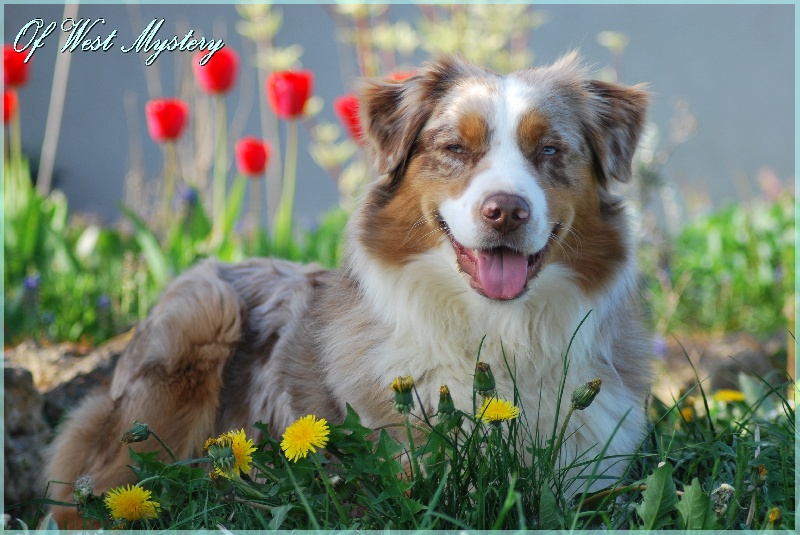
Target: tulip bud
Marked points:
252	156
166	118
288	92
219	74
584	395
346	108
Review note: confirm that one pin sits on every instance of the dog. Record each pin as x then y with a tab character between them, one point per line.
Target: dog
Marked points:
493	221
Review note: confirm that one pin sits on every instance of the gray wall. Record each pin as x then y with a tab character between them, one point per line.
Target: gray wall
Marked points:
734	64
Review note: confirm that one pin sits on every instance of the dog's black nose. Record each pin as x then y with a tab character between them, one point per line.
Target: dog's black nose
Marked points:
505	212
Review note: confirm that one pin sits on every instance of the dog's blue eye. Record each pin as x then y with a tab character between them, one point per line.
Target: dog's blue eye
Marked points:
458	149
549	151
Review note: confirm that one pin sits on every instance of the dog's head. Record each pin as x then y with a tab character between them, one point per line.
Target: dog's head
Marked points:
511	173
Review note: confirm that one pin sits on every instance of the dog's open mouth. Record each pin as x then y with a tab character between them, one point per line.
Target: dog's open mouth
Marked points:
500	272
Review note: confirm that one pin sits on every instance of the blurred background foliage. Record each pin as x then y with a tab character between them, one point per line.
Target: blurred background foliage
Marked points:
68	278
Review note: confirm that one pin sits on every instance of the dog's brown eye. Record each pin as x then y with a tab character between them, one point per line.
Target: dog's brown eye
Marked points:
549	151
457	149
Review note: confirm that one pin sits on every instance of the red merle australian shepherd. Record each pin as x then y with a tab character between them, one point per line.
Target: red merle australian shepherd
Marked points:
493	216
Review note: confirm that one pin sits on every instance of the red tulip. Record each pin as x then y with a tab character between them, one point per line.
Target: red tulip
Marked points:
252	156
166	118
219	73
14	67
9	104
288	92
346	108
402	75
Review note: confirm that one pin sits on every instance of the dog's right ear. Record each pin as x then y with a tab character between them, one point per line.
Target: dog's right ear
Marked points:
393	113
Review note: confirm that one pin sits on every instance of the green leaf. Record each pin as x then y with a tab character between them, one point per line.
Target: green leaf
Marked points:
279	515
155	258
550	514
233	206
695	509
659	499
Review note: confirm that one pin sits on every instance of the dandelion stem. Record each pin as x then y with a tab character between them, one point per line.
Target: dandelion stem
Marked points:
612	493
415	470
329	488
257	505
164	445
557	445
301	495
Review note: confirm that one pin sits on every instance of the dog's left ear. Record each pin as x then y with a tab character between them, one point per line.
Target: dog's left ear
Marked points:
615	122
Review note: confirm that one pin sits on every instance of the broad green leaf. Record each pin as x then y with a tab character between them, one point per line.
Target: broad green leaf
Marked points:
658	501
695	509
550	515
279	515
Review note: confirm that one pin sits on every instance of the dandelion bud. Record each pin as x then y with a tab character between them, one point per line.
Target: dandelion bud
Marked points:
403	396
83	490
774	516
138	433
761	472
484	379
222	457
584	395
446	405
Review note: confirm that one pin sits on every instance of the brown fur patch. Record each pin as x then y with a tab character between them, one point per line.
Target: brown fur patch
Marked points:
474	131
591	243
533	126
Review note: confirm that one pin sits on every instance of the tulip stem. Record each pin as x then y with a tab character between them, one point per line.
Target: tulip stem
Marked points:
170	171
15	143
255	211
283	223
220	164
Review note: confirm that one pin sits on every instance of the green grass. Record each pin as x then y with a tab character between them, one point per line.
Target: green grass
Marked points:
474	476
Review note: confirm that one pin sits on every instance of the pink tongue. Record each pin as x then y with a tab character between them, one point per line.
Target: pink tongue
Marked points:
502	273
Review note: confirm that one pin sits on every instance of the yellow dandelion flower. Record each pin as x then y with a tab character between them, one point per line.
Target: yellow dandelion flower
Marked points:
774	516
235	450
687	413
210	442
728	396
304	436
496	410
131	503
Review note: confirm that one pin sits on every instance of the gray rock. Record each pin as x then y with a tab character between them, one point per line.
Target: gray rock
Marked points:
41	384
25	435
64	374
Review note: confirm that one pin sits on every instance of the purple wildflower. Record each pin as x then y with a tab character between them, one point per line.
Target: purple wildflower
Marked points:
31	282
